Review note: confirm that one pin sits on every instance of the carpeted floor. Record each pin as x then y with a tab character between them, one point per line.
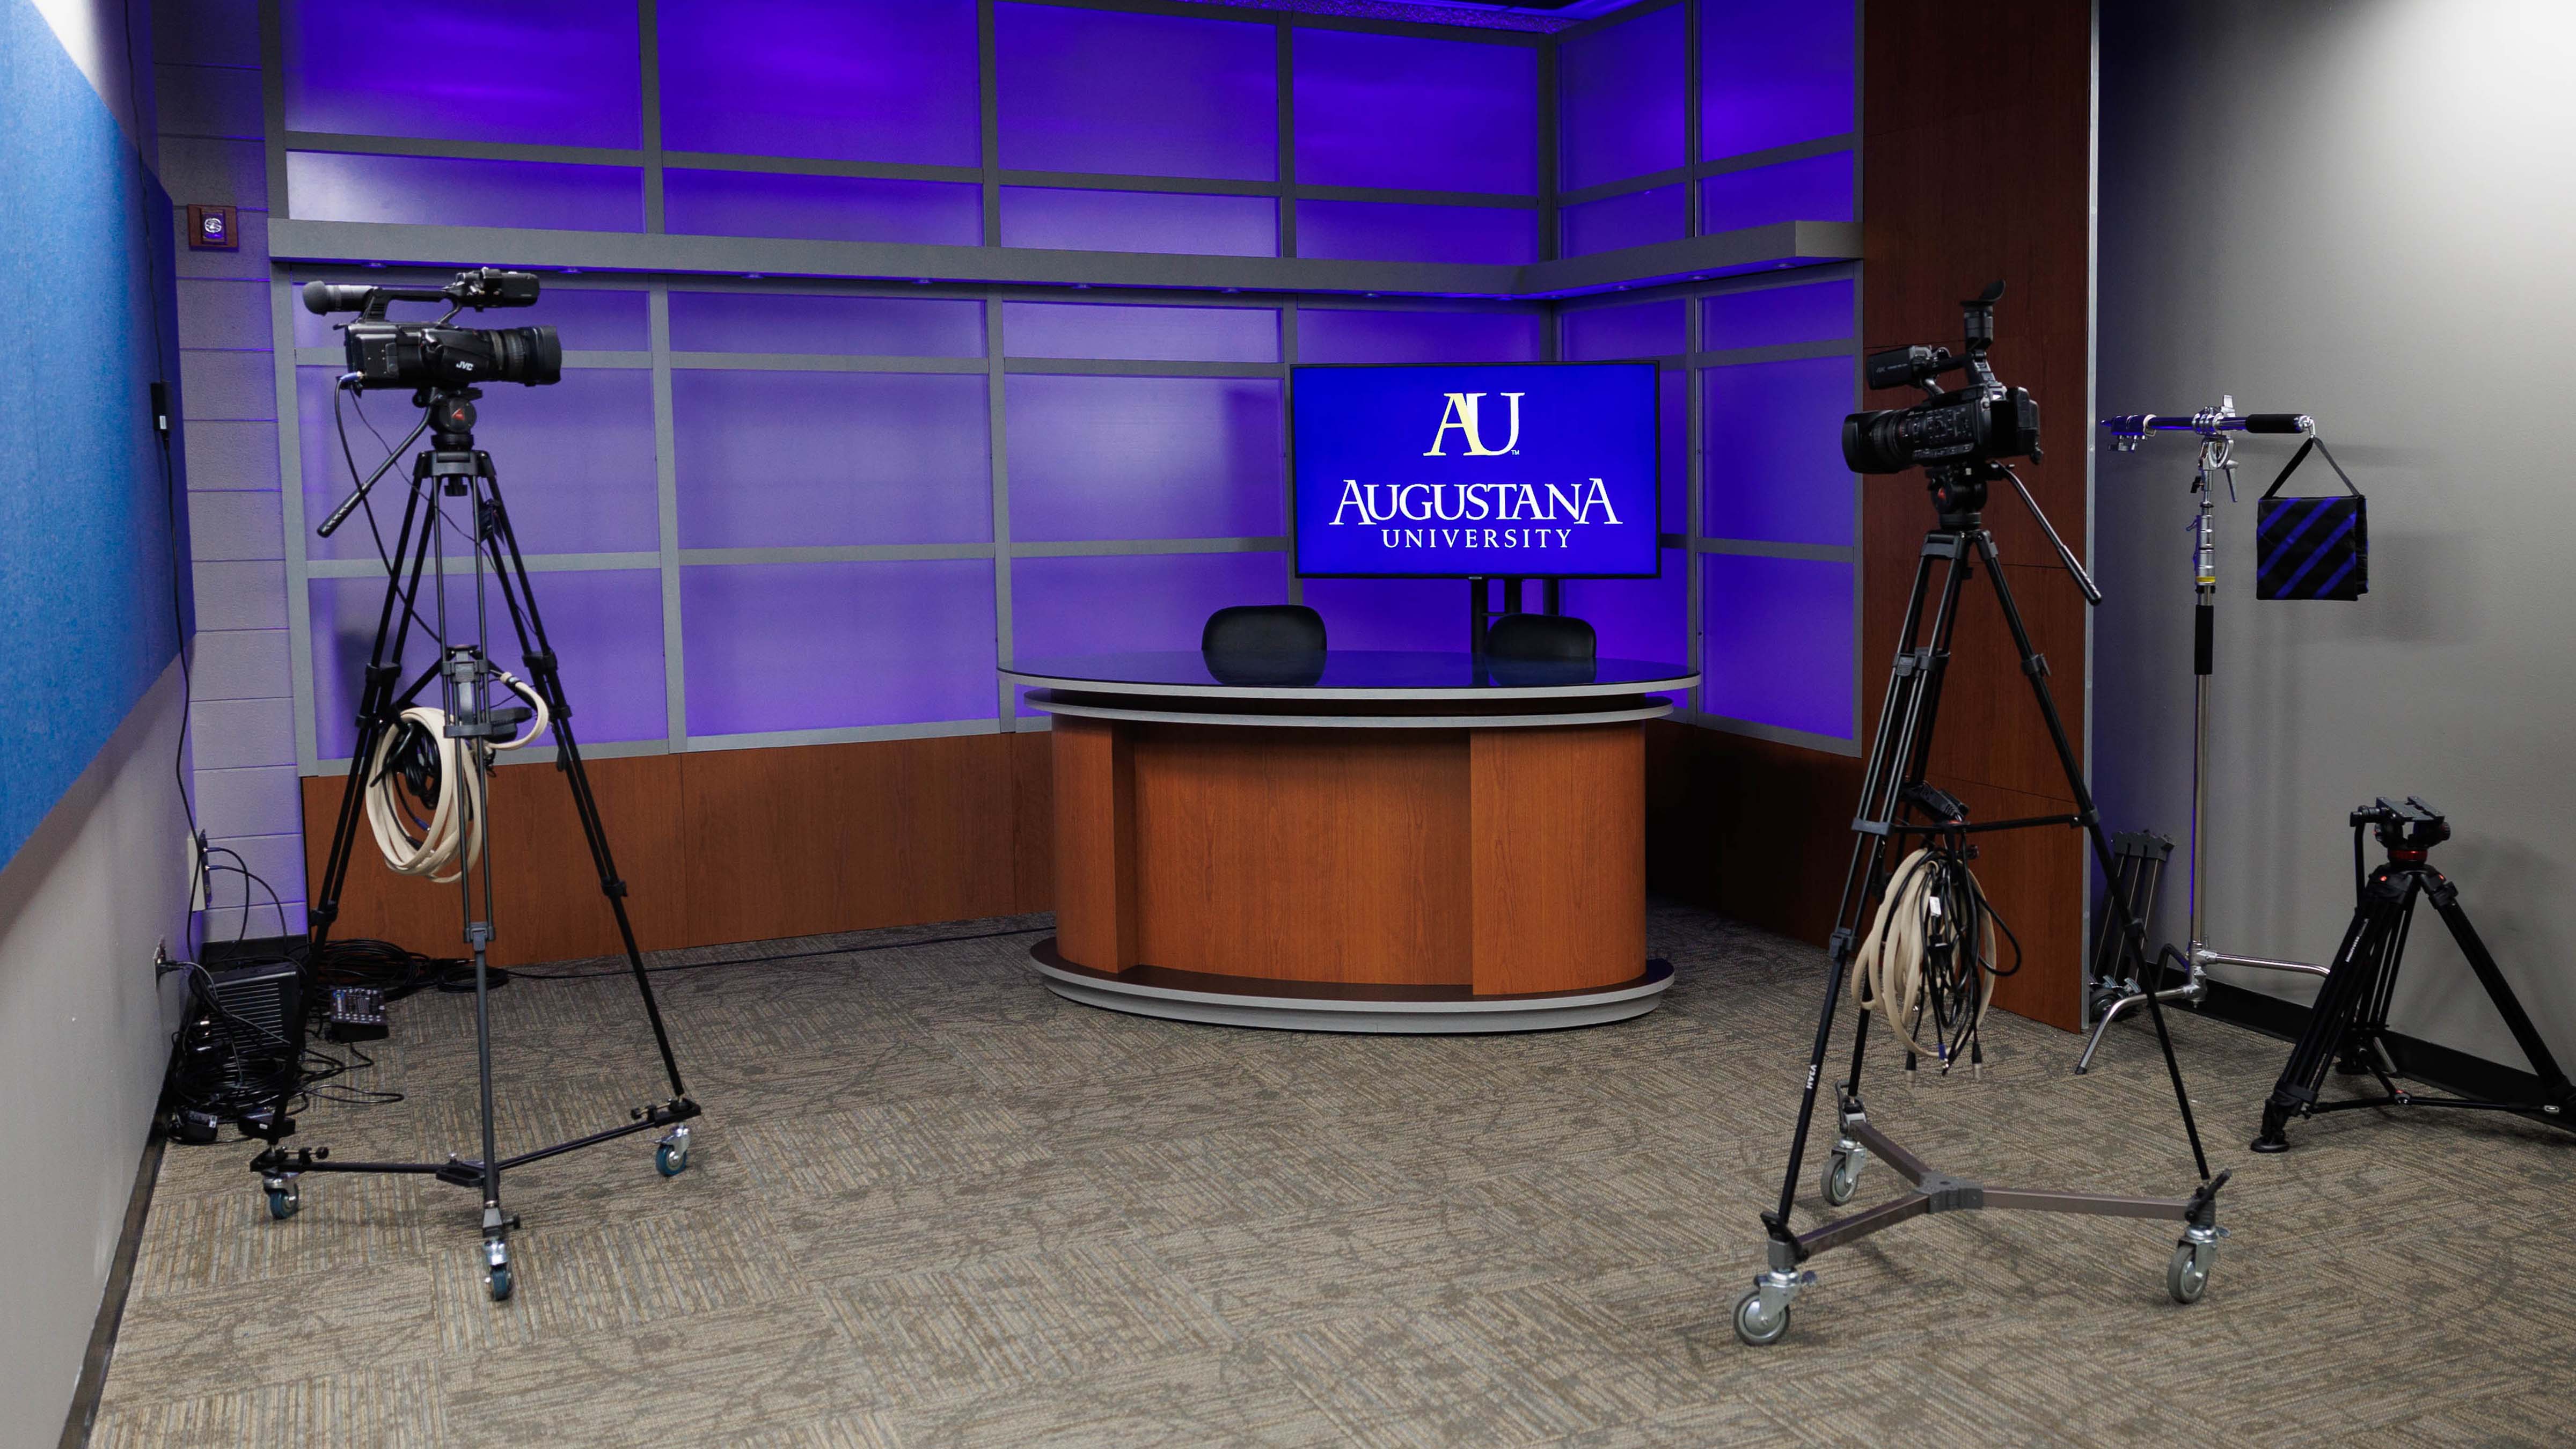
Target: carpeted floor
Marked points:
931	1204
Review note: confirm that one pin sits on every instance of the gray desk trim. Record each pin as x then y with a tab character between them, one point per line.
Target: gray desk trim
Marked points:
1655	709
1497	692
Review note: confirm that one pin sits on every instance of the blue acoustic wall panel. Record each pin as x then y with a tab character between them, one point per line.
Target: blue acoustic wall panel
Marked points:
828	326
1145	457
1379	231
1620	101
1818	188
562	73
797	646
575	460
1143	334
1467	113
1777	642
444	191
1066	219
606	626
1355	334
837	80
1136	95
89	611
1775	463
1773	74
776	459
1630	219
827	208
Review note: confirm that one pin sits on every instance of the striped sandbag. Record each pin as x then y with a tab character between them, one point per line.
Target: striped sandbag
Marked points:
2311	548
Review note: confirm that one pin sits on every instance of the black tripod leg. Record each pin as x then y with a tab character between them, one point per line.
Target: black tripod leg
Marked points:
2357	968
2131	930
2554	1087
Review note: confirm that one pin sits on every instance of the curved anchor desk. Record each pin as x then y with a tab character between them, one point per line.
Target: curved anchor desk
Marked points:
1358	841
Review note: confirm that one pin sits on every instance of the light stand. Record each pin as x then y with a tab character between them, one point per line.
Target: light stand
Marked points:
453	468
2108	992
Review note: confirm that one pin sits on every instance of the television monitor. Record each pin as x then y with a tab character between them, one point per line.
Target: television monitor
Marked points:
1475	470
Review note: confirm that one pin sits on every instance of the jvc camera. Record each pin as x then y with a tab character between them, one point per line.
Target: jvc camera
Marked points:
432	354
1983	422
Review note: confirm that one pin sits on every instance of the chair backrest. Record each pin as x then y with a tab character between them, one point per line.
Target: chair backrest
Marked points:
1263	629
1541	638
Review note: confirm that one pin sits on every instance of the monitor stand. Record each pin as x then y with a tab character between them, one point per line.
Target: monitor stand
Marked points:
1480	604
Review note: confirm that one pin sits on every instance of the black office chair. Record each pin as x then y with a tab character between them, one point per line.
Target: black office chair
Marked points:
1279	644
1540	649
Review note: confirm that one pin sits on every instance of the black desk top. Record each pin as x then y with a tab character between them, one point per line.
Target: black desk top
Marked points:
1347	673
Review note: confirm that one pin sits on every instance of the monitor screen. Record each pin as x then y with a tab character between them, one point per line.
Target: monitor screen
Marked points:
1465	470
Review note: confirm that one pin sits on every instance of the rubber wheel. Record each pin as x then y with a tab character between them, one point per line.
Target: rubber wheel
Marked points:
1752	1327
1841	1180
670	1161
283	1203
2187	1276
498	1280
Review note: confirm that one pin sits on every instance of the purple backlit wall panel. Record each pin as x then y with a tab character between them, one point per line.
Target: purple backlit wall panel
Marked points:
1064	219
780	459
563	73
1777	636
1466	113
826	208
1636	618
1775	463
1377	231
1773	74
839	80
1630	219
1816	189
575	462
1145	457
1771	316
1353	334
1620	101
1133	601
805	646
1146	334
1391	613
1626	333
1136	95
830	326
606	627
440	191
589	320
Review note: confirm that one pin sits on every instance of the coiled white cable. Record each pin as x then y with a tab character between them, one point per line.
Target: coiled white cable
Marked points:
454	830
1918	915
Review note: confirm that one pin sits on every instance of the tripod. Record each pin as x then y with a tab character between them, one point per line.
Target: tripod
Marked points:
453	468
2349	1025
1892	786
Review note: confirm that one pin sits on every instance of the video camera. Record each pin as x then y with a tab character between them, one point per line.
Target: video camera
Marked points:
1982	422
432	354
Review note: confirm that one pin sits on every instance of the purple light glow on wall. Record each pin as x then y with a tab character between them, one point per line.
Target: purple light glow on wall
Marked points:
1773	74
1145	457
797	322
1777	642
440	191
1065	219
1145	334
840	80
802	646
1620	98
1637	618
606	627
1136	95
575	462
1624	333
1632	219
1775	462
1772	316
777	459
1132	601
563	73
826	208
1391	613
1816	189
1467	113
1379	231
1354	334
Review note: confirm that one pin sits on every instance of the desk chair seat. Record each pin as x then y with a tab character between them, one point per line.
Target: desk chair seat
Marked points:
1541	638
1264	644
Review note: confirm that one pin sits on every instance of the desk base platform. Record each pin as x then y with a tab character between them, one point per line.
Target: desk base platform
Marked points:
1334	1006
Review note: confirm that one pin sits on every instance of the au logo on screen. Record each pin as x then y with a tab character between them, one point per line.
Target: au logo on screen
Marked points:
1550	470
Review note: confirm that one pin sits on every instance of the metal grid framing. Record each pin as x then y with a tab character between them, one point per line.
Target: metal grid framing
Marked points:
659	358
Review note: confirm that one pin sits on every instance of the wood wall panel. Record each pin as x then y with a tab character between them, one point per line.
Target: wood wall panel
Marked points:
1327	822
1032	811
547	904
1559	823
1757	830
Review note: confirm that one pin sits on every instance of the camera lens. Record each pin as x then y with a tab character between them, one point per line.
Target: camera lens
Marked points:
1871	444
532	355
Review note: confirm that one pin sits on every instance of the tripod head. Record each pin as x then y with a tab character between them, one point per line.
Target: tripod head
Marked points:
2406	831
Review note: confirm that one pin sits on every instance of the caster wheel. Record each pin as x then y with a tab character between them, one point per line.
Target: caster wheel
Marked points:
498	1280
283	1202
671	1158
2187	1276
1755	1327
1841	1180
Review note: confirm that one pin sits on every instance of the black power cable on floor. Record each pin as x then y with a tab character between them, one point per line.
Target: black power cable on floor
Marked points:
778	956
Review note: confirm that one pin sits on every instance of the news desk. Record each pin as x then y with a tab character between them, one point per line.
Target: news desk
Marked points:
1378	841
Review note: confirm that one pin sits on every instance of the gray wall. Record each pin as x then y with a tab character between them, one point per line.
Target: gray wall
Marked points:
2362	211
